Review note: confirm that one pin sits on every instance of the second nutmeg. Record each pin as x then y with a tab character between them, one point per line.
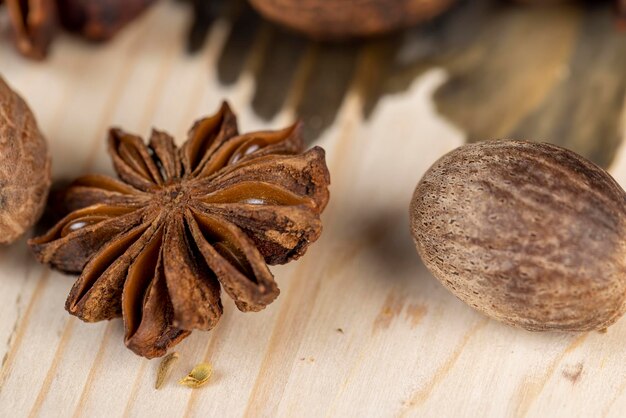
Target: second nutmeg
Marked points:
530	234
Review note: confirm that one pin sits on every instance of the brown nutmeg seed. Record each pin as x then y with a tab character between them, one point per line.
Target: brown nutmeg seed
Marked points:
530	234
325	19
24	166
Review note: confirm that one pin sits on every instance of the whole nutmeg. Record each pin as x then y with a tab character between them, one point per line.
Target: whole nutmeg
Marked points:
325	19
24	166
530	234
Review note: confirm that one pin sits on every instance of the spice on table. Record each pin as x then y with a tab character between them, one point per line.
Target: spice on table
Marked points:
33	23
164	369
100	20
24	166
156	246
198	377
530	234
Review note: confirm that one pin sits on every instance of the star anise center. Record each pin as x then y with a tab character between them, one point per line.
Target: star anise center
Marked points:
173	197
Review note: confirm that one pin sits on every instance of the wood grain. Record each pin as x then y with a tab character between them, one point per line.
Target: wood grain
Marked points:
406	346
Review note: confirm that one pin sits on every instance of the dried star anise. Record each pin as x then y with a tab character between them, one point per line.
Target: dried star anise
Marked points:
34	23
156	247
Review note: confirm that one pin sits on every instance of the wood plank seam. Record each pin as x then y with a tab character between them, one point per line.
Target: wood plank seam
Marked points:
421	395
139	378
95	367
45	386
21	329
524	406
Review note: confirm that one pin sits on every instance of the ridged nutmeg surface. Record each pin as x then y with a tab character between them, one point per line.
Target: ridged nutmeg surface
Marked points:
349	18
530	234
24	166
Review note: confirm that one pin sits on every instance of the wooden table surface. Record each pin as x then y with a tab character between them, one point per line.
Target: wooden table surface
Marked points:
360	328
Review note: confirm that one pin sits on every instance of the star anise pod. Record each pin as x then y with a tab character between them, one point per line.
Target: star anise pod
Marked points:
156	247
34	23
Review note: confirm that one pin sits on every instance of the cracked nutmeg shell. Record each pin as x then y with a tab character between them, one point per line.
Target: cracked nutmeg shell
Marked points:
325	19
530	234
24	166
156	246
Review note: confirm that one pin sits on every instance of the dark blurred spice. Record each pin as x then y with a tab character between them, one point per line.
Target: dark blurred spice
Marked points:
204	14
34	24
620	9
101	19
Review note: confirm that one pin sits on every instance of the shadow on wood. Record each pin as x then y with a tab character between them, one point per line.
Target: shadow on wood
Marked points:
551	73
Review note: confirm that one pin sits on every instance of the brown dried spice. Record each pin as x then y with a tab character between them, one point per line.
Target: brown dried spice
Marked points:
155	247
24	166
99	20
34	23
530	234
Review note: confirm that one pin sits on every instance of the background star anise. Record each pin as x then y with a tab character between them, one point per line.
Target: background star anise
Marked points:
34	23
156	247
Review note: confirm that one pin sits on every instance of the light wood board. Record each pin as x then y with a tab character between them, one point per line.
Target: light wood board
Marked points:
360	328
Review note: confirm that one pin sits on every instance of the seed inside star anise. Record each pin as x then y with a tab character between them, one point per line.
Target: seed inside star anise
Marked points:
157	246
